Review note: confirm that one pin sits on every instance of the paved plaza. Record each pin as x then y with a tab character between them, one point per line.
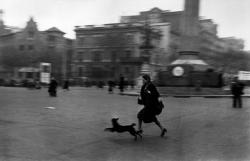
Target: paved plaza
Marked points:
36	127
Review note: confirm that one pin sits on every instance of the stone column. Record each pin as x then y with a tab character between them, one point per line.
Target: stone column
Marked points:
190	28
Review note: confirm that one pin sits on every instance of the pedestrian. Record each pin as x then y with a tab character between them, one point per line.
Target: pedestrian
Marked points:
150	98
121	84
37	84
237	88
110	86
100	84
198	85
66	85
53	87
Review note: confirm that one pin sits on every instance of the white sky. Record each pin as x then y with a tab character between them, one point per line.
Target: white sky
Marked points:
232	16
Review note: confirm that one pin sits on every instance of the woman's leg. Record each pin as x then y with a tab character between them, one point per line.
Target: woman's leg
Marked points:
163	130
157	122
140	116
139	125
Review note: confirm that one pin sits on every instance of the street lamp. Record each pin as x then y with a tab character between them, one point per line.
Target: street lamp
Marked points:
146	46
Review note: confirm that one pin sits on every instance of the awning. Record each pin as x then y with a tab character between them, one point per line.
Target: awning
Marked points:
29	69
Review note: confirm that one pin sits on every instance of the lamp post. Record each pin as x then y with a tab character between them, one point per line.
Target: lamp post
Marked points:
146	48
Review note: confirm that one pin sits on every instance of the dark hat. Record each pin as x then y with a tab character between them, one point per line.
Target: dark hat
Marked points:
146	77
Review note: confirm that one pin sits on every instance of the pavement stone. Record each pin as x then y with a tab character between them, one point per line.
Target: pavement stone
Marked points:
199	129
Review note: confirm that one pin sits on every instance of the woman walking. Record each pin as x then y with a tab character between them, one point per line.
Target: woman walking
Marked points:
53	88
150	98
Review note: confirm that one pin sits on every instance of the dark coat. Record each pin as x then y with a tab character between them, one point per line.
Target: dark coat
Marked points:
149	96
237	88
121	83
66	84
52	86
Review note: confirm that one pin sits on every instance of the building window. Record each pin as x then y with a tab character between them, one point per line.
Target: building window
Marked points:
80	41
127	54
51	38
46	69
20	74
80	56
80	71
130	37
21	47
113	71
31	34
157	59
113	56
106	56
29	75
97	56
51	48
30	47
87	56
126	69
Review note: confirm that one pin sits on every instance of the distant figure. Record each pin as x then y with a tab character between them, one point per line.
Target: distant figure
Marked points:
237	91
31	84
121	84
100	84
198	85
37	84
66	85
110	86
53	88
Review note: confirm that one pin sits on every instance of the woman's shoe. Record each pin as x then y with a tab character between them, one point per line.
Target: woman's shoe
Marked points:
139	131
163	132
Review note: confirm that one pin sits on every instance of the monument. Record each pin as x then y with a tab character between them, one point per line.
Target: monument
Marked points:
189	69
189	48
190	27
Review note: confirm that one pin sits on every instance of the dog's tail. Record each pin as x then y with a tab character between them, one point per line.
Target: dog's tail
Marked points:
133	124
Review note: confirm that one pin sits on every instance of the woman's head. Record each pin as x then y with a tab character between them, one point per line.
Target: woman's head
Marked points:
146	78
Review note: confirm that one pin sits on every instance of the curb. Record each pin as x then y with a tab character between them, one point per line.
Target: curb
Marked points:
186	96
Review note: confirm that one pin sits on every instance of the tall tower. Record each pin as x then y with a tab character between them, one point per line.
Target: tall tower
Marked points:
181	72
190	27
189	49
1	18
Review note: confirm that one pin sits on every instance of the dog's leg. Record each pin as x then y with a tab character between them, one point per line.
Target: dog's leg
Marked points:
139	135
135	137
134	134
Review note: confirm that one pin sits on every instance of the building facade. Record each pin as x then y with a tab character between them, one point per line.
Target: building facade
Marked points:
30	47
210	42
106	52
